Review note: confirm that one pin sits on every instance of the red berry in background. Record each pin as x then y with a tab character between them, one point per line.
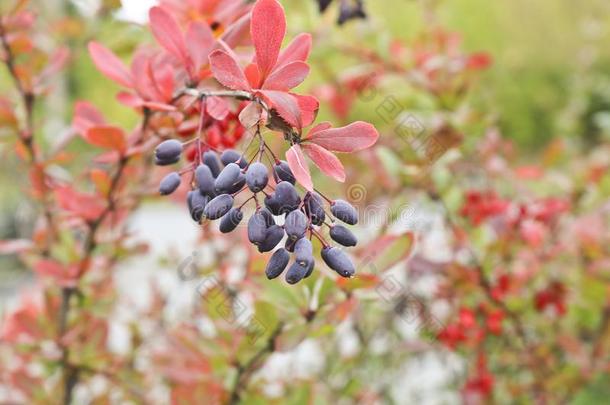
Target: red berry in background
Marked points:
494	321
551	298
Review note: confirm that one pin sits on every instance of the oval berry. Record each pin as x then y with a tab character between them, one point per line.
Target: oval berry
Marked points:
229	222
257	228
287	197
344	211
272	204
303	251
165	162
337	260
238	185
296	273
343	236
295	225
170	183
289	245
314	207
233	156
273	235
197	203
205	180
310	269
210	159
278	262
257	177
218	207
227	178
269	219
169	150
283	172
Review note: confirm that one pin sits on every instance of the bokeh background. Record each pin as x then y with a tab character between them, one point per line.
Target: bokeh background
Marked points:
549	82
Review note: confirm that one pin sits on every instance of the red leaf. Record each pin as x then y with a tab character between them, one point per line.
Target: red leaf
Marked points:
57	61
152	105
298	165
200	42
107	137
168	34
325	160
217	107
85	117
308	106
250	115
287	77
86	206
387	251
286	106
163	79
352	138
238	32
109	64
226	70
129	99
253	75
320	127
268	28
65	276
141	71
297	50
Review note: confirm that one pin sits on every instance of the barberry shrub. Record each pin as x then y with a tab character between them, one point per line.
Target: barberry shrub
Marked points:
208	84
481	265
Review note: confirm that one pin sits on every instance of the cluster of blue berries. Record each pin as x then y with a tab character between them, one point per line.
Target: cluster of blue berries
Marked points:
217	179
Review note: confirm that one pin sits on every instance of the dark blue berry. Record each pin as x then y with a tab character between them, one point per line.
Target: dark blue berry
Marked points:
337	260
233	156
278	262
269	219
287	197
314	207
165	162
310	269
257	177
197	203
229	222
273	236
303	251
205	180
289	245
227	178
272	204
344	211
238	185
343	236
282	170
218	207
210	159
296	273
170	183
168	151
295	225
257	228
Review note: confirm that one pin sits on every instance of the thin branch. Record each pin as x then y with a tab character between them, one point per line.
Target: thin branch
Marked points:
71	373
26	135
244	371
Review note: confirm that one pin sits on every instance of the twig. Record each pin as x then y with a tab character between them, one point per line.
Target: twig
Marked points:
244	371
26	135
71	373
